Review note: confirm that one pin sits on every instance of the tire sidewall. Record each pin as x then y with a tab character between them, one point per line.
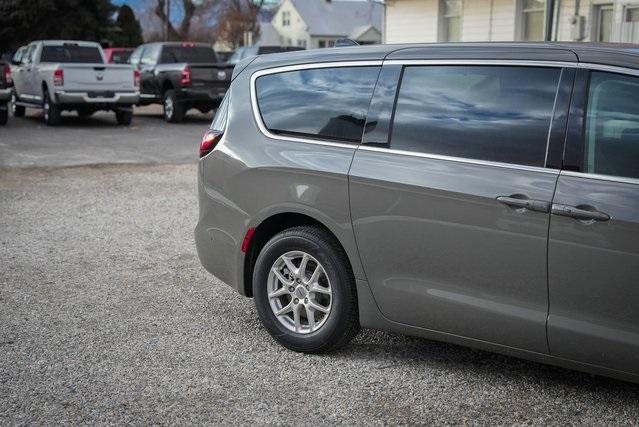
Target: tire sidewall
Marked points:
340	286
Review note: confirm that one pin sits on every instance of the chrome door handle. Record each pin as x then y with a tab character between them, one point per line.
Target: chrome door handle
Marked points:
581	212
520	201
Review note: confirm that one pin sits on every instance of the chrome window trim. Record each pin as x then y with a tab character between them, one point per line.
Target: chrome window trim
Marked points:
312	66
600	177
489	62
377	63
461	160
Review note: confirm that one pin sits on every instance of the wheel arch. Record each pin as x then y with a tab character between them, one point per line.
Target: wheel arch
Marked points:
273	225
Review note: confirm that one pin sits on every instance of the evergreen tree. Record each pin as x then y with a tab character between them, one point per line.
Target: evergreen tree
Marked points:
22	21
128	30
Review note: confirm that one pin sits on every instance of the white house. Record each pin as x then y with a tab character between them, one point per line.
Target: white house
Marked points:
319	23
510	20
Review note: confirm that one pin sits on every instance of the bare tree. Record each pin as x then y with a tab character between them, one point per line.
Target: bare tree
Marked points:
191	8
237	19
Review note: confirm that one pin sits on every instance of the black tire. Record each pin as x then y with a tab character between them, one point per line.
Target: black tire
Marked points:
173	109
4	114
124	117
52	112
17	110
342	322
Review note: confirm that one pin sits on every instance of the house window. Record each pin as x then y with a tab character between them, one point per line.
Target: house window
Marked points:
451	20
632	14
301	43
532	20
603	22
286	18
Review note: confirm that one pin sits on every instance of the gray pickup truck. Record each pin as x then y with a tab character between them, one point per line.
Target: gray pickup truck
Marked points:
57	75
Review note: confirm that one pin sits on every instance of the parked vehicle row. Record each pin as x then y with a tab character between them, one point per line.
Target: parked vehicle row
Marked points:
59	75
485	195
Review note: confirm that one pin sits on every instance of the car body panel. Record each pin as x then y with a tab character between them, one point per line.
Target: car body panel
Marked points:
434	254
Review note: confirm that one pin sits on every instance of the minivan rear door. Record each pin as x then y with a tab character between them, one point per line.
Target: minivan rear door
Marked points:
450	196
594	229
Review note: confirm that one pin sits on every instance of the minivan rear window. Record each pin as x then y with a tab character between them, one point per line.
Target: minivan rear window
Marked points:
325	103
71	54
492	113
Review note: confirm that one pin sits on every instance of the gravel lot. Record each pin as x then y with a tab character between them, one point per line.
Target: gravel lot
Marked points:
106	316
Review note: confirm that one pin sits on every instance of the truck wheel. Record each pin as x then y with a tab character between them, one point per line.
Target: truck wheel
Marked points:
52	111
124	117
4	113
173	109
18	110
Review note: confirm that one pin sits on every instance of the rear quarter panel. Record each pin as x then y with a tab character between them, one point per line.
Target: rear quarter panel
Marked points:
250	177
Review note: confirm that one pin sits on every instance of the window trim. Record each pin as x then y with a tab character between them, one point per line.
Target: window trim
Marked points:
257	115
532	63
521	19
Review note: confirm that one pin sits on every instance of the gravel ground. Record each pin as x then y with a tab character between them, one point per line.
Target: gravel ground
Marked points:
106	316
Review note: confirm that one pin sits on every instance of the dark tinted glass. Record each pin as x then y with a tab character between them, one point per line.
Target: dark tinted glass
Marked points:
71	54
612	126
121	57
499	114
329	103
192	54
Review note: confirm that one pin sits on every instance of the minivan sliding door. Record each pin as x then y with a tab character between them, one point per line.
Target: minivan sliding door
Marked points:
594	230
451	206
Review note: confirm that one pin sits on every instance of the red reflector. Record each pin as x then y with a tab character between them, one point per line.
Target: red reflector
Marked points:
136	78
58	77
209	141
185	79
7	75
246	243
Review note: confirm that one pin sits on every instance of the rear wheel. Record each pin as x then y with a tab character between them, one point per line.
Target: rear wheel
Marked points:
124	116
52	112
305	292
17	110
4	113
173	109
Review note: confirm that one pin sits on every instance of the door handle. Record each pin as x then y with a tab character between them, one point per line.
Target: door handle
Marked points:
581	212
520	201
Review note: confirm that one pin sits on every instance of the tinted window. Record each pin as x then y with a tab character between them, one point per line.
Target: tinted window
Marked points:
329	103
499	114
71	54
192	54
612	125
121	57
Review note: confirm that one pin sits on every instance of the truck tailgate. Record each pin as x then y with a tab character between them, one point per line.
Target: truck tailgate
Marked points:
210	74
98	77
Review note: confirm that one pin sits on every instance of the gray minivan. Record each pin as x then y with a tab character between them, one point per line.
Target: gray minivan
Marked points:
480	194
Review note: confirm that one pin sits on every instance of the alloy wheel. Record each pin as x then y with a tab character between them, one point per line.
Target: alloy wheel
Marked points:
299	292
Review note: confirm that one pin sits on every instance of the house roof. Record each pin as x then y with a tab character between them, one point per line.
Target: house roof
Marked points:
268	35
338	17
